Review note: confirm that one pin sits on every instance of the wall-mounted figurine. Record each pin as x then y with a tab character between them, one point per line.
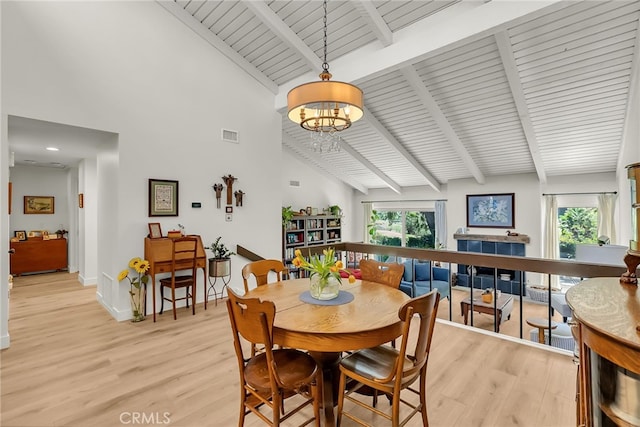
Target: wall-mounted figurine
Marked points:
239	195
228	180
218	189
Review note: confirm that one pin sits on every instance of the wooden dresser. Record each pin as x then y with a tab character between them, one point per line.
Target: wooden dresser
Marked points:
607	315
35	255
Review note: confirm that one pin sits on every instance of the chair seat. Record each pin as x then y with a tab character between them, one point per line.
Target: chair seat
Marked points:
294	368
373	363
181	281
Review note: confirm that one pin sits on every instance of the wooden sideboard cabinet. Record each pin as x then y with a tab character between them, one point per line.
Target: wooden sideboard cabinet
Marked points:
607	314
36	255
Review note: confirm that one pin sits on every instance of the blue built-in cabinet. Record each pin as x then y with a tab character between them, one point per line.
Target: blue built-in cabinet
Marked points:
483	277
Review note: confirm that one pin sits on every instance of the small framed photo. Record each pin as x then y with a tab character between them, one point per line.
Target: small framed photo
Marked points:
155	232
21	235
39	205
45	235
163	197
491	210
309	210
228	209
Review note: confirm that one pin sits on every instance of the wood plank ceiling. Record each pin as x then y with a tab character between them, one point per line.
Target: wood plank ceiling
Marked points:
453	89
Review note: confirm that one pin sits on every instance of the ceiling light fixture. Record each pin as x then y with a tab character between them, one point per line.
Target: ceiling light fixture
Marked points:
52	149
325	107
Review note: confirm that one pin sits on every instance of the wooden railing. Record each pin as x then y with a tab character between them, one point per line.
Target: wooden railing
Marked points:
547	267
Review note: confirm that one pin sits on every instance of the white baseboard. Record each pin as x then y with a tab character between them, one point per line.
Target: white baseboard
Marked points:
87	281
5	341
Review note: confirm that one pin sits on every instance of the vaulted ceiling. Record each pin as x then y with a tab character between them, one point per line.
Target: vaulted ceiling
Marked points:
453	89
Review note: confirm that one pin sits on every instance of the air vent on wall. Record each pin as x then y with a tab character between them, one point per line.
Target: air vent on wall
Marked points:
294	183
230	136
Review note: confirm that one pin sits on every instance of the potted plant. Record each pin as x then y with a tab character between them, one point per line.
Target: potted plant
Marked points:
220	262
335	210
287	215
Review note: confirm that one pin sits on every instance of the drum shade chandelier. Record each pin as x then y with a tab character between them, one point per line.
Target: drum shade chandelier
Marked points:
325	107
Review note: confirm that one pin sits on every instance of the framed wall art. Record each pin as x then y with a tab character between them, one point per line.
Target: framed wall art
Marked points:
39	205
491	210
163	197
155	232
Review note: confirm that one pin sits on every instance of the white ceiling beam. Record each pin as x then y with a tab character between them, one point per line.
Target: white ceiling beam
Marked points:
511	70
449	28
294	147
284	32
367	164
396	145
438	116
375	21
197	27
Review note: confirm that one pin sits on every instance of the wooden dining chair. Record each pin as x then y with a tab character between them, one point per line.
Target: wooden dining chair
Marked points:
274	375
183	261
261	269
391	370
387	273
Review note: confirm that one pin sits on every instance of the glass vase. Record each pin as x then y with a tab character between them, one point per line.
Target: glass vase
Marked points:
324	288
137	303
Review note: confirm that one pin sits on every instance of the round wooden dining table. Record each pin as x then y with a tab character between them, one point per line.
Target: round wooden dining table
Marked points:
370	319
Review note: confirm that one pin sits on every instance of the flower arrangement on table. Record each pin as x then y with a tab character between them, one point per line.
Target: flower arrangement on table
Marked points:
136	291
324	273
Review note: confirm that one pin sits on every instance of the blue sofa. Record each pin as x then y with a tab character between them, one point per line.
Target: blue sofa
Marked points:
423	282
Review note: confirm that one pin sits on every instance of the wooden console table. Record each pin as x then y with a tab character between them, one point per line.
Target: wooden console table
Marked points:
36	255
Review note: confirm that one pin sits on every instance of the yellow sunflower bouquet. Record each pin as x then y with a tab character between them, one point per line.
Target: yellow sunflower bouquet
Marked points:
136	278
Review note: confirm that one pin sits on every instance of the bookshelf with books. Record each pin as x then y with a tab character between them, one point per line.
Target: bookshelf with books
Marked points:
308	230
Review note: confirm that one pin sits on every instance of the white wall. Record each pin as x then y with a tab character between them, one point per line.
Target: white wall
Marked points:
528	201
88	222
319	191
39	181
132	69
4	206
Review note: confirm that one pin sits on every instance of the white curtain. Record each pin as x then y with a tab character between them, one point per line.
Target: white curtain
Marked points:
441	224
551	234
606	209
368	210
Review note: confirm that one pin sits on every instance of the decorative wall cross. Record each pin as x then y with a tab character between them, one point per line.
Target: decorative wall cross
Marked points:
239	195
218	189
229	179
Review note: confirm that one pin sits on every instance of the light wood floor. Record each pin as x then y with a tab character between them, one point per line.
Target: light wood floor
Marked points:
71	364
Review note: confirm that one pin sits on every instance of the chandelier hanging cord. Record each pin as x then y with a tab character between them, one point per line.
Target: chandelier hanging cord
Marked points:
325	64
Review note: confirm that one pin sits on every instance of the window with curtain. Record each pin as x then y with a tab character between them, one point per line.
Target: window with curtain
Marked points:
407	228
577	225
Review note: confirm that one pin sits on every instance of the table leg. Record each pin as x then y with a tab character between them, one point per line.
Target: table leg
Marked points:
465	312
328	363
499	320
541	335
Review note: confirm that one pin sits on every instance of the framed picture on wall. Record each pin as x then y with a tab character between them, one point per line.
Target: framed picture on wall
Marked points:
491	210
39	205
163	197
